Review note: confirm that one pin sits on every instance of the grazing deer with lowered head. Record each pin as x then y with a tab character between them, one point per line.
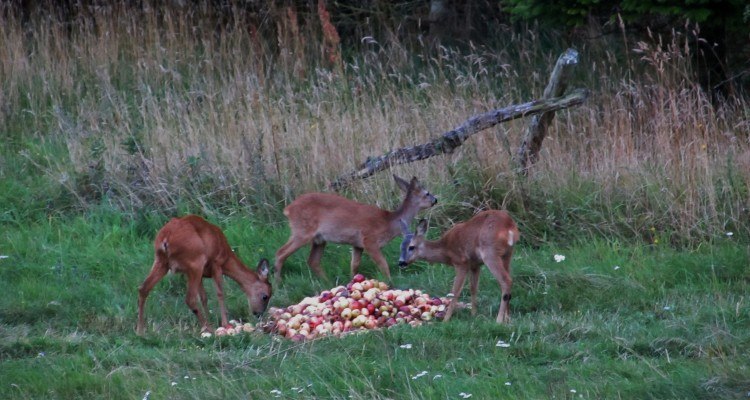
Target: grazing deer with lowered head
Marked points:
198	249
487	238
318	218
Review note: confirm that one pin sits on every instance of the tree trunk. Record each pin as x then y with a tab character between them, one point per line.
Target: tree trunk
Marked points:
537	130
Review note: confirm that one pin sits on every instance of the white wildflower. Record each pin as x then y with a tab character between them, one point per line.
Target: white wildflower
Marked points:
508	383
145	396
559	258
419	375
501	343
729	234
465	395
406	346
616	267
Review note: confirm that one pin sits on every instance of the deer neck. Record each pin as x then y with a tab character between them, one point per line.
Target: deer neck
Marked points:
406	211
435	251
235	269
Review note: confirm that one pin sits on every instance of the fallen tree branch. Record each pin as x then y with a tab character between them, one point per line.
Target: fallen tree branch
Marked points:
449	141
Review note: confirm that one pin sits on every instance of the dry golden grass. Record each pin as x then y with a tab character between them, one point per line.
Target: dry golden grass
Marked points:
154	109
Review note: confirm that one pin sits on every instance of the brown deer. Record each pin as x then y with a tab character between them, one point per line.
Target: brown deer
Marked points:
318	218
487	238
198	249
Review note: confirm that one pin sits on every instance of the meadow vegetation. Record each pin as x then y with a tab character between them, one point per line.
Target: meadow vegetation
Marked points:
114	122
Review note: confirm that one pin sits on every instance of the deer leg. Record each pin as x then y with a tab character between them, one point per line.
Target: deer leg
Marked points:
191	298
316	252
158	270
285	251
500	268
356	259
474	285
458	283
219	285
377	256
204	299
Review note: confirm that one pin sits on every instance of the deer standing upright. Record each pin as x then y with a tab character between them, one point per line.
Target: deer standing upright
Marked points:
318	218
198	249
487	238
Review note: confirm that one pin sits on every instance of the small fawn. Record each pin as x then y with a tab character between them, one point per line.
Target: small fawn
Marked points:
198	249
319	218
487	238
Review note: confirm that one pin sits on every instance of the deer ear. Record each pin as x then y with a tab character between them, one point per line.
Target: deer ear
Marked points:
263	268
422	227
404	226
402	184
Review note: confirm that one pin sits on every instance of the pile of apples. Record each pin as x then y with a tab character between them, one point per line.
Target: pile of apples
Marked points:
360	305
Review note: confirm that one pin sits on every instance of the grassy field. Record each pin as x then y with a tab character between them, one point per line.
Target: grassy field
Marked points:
610	321
111	123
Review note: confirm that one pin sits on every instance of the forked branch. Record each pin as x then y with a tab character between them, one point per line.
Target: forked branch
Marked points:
449	141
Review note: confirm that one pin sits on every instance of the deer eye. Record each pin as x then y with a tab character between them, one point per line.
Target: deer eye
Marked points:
264	297
411	247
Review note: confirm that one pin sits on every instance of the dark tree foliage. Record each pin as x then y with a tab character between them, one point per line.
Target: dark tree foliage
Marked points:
724	63
724	51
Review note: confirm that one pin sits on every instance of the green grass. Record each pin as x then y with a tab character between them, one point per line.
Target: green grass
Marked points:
108	125
665	324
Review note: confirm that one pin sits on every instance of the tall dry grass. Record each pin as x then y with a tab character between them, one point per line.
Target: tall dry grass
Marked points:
152	108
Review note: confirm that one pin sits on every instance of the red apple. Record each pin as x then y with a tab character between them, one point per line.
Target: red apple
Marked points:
358	278
325	295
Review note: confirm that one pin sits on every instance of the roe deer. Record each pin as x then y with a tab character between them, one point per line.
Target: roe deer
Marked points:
319	218
487	238
198	249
